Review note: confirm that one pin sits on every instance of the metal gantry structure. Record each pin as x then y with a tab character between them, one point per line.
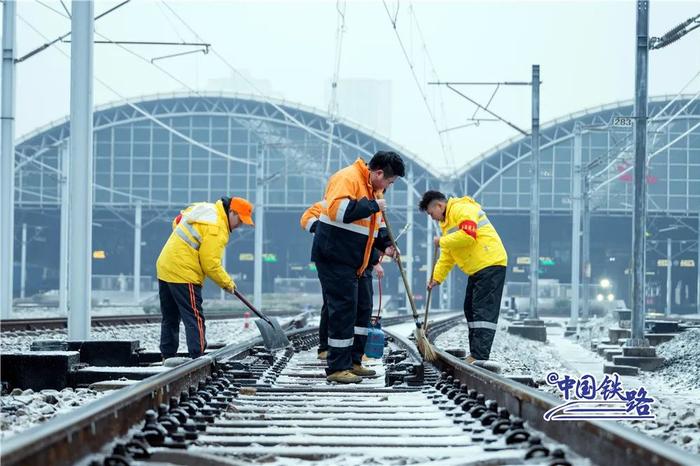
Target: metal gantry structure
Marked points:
534	137
143	165
154	175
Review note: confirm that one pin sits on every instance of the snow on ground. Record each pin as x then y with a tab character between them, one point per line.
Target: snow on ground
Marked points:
23	409
517	356
226	331
682	367
675	387
41	312
595	330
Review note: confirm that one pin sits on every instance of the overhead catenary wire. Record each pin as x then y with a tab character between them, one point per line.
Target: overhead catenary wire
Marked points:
170	22
140	110
237	72
656	117
312	131
436	76
340	6
662	126
649	157
50	42
411	66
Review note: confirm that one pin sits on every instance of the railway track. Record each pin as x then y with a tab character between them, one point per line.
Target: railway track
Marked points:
54	323
244	405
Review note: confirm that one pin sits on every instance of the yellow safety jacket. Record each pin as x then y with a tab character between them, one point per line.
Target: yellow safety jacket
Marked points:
195	247
468	240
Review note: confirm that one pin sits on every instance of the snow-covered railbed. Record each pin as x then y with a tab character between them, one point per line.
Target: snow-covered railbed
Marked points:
227	331
22	409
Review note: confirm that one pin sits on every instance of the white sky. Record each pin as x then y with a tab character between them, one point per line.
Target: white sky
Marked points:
585	49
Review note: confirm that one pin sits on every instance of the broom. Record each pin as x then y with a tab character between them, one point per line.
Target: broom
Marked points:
429	353
421	340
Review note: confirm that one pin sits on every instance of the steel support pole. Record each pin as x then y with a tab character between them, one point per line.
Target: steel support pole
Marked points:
697	268
576	228
23	261
669	278
640	161
586	251
535	193
259	219
81	98
409	235
137	253
7	154
65	231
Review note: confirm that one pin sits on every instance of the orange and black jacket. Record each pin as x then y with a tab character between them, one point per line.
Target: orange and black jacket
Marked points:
350	225
309	222
309	219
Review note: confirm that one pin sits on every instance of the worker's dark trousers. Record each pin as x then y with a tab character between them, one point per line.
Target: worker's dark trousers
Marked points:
364	313
482	304
341	286
323	328
181	301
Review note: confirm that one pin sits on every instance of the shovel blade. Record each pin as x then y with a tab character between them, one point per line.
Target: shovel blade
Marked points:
273	336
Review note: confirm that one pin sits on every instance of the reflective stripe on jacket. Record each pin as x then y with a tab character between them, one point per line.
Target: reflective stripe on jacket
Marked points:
196	246
310	217
468	240
349	223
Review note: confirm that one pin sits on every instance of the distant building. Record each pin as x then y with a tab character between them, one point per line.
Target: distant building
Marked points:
365	101
136	160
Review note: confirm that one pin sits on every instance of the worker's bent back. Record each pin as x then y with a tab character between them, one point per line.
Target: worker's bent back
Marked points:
196	246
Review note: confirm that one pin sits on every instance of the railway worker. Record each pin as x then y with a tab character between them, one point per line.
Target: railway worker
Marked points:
347	231
309	221
471	242
193	251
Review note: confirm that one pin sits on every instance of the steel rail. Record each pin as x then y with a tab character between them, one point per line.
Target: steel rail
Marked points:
68	438
72	437
605	443
52	323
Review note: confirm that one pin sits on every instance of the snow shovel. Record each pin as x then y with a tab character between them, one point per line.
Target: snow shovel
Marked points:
270	330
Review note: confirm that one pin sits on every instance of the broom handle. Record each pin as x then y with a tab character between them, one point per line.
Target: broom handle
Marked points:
430	291
401	270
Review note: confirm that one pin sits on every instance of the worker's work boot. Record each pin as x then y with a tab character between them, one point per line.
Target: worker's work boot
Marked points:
344	377
323	355
469	359
357	369
175	361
